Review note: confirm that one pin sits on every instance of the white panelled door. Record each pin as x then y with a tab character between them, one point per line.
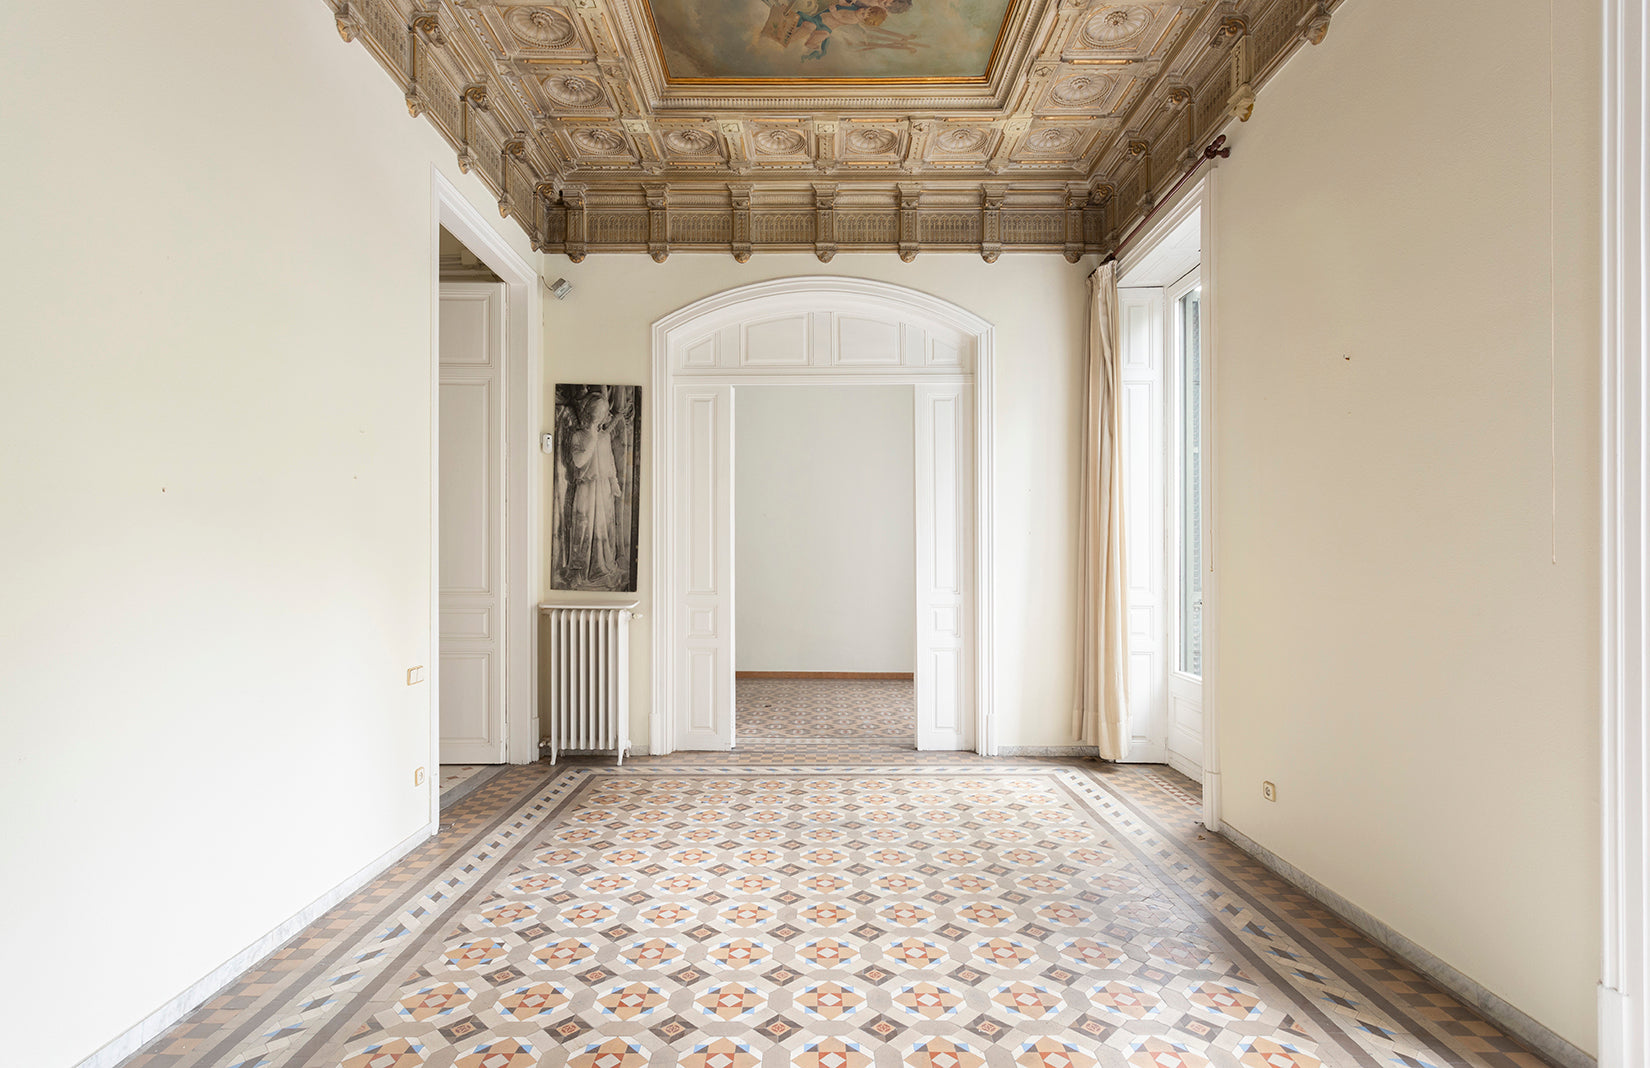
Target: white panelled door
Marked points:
944	562
704	566
471	494
1140	323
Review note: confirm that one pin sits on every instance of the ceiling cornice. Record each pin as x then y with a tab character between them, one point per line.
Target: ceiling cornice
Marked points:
1089	111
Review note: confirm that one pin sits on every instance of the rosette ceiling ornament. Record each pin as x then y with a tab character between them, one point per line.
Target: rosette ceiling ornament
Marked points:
831	125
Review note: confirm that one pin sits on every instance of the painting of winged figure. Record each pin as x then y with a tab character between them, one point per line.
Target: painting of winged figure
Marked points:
812	25
597	445
822	39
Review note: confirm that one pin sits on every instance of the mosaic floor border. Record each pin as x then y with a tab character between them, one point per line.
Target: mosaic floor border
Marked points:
1114	931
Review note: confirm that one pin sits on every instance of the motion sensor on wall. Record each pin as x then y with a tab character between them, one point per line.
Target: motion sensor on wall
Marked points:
559	288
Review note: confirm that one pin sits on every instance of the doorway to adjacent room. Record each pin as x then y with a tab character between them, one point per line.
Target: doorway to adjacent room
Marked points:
824	552
813	333
485	304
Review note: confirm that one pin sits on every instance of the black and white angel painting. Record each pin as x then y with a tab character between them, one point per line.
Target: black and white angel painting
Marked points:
598	458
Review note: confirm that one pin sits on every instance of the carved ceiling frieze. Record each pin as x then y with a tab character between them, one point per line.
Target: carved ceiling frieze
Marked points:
828	125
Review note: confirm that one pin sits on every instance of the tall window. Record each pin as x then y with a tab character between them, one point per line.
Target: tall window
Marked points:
1190	417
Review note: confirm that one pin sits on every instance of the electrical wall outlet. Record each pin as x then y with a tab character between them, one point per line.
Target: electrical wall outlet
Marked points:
1269	791
415	675
418	776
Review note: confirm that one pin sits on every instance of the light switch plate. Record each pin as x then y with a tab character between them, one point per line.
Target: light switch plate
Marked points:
415	675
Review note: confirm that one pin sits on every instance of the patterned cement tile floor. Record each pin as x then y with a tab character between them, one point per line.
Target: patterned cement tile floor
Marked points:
460	779
455	775
824	712
931	911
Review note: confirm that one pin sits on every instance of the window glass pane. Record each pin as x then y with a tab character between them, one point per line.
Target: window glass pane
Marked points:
1191	483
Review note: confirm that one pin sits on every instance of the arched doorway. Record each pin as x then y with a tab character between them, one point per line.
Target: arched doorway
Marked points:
841	331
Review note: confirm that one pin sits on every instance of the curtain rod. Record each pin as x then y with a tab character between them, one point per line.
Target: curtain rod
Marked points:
1215	148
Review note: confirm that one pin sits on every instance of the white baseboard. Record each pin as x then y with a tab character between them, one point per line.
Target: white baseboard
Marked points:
1211	800
1491	1006
1184	766
1144	753
144	1031
1616	1037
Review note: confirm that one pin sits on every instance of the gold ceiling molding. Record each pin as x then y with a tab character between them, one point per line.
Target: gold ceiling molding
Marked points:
1089	111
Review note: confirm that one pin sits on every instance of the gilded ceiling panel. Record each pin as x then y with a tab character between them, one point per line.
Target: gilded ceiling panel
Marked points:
635	125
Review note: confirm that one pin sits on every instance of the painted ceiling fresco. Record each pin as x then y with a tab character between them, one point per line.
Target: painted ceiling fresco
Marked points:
827	39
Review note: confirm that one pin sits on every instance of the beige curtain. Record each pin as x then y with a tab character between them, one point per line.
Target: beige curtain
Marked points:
1102	716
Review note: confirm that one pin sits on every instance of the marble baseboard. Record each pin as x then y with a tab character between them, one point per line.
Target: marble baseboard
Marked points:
1492	1006
156	1023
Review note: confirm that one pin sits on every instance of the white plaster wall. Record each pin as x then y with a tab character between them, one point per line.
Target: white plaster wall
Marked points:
824	528
215	468
1409	638
603	333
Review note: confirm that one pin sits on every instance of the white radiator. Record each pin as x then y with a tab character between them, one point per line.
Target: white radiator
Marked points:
589	698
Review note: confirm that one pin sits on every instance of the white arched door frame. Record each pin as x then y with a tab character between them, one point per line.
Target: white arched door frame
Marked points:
832	331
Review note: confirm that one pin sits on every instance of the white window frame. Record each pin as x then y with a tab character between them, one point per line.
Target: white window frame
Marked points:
1175	424
1202	196
1624	987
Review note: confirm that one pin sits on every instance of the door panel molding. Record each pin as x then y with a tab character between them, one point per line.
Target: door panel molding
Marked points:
943	424
703	621
1140	323
473	659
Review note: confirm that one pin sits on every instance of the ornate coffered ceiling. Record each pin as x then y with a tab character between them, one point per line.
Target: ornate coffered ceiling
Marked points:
826	125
